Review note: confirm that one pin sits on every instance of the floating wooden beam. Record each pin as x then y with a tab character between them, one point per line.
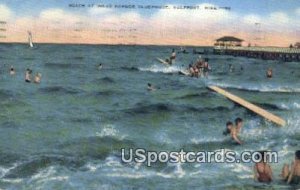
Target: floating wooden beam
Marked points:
162	61
250	106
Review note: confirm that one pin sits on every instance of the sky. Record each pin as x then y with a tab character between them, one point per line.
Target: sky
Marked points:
260	22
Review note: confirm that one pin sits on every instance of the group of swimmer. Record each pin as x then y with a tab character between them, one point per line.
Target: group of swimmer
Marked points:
290	173
234	130
199	68
262	170
37	78
269	72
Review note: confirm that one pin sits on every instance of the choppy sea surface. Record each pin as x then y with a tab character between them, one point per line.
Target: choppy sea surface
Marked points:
67	132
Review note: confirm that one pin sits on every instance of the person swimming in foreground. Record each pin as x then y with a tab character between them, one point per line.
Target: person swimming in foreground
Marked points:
38	78
12	71
262	170
28	75
227	131
292	175
234	130
150	87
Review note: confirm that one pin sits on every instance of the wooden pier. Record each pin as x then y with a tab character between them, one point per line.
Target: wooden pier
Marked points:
266	53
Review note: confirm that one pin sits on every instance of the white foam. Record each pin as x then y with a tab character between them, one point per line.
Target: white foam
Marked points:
110	131
112	161
4	171
206	140
15	180
93	167
162	69
245	176
179	172
240	168
127	175
44	173
294	105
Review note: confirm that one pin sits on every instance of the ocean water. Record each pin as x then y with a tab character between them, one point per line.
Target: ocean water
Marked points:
68	131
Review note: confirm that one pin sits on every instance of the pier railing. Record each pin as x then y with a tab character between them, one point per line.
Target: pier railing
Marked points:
260	49
268	53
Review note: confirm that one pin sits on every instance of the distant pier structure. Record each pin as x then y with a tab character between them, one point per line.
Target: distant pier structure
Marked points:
229	45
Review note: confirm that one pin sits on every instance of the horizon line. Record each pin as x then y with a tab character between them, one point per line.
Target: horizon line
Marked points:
95	44
121	44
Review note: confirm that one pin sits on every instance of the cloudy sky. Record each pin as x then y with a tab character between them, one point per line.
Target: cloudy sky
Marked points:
268	22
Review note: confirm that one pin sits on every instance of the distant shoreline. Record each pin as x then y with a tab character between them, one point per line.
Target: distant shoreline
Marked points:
164	45
161	45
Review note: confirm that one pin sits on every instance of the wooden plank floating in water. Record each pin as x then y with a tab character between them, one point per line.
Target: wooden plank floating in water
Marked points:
249	106
162	61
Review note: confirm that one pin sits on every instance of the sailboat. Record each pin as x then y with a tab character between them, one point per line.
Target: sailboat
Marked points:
30	39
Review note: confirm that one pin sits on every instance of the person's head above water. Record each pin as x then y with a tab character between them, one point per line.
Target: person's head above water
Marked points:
149	84
229	123
238	121
297	155
227	131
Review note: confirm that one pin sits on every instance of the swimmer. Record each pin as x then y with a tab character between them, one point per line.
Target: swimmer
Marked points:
191	70
150	87
100	66
235	130
28	75
262	170
292	176
173	56
12	71
37	78
168	61
231	68
196	72
269	73
206	67
227	131
239	124
199	58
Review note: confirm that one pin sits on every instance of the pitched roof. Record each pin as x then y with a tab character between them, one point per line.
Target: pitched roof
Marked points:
229	39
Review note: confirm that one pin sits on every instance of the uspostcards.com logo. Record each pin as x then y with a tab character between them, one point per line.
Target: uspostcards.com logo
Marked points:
141	155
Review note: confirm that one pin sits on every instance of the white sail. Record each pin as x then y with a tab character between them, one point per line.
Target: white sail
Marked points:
30	39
